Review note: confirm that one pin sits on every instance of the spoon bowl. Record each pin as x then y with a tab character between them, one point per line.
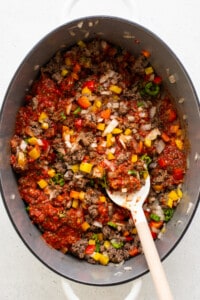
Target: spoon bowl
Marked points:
134	202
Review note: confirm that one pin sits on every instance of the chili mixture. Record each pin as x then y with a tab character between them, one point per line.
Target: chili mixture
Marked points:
97	117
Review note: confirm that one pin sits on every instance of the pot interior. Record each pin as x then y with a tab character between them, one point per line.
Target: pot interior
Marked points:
134	38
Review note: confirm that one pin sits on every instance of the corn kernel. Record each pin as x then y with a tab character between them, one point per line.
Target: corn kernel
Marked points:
86	167
134	158
128	131
42	183
145	174
149	70
115	89
101	126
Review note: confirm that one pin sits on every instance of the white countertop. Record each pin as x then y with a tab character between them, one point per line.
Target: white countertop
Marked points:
22	24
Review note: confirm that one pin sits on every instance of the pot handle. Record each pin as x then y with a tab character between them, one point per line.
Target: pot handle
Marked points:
74	9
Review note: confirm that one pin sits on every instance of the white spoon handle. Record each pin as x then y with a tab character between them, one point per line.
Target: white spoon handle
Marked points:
153	261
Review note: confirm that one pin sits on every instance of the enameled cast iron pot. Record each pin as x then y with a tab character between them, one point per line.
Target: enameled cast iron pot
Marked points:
134	38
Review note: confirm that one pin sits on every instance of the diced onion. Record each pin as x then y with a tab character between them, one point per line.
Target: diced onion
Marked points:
152	135
160	146
152	112
97	224
23	145
145	127
109	128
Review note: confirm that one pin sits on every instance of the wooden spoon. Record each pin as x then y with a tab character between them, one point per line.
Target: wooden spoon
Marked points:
134	202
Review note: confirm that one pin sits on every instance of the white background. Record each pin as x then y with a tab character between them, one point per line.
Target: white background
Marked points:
22	24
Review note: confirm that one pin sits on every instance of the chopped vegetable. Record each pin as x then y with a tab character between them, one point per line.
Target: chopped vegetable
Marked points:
152	89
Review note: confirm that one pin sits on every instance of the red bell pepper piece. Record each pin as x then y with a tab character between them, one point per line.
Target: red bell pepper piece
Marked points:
90	84
90	249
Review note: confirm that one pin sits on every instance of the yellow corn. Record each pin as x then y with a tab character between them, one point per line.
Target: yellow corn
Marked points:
110	156
179	144
64	72
34	153
43	116
116	131
115	89
51	172
86	167
101	126
128	131
42	183
147	142
85	226
148	70
134	158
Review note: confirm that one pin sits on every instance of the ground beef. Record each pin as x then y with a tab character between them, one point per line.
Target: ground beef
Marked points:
94	120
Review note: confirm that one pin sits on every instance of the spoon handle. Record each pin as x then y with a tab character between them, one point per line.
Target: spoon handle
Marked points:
153	260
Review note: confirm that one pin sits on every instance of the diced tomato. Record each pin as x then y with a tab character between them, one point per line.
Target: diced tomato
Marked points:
129	238
90	84
154	235
78	123
157	80
178	174
162	162
171	115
